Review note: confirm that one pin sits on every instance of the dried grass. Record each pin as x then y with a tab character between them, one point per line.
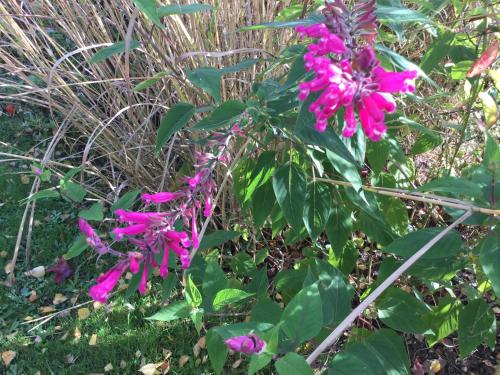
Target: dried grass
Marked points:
45	51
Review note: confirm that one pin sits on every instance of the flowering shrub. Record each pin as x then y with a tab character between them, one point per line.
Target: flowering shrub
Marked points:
316	180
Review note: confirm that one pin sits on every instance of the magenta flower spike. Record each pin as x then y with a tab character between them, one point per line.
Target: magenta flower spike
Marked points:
107	282
249	344
163	197
92	238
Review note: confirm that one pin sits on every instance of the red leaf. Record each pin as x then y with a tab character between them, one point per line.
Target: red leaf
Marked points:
487	58
10	109
62	270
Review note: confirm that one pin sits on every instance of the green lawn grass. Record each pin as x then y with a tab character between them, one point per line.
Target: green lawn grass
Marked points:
124	338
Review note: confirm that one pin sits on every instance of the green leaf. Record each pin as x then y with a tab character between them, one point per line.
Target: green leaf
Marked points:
262	172
403	312
381	353
208	79
94	213
126	201
266	311
426	142
43	194
197	319
293	364
223	115
408	245
339	227
443	320
74	191
453	185
168	10
476	324
260	282
399	15
216	238
303	316
115	48
175	119
214	280
460	69
258	362
289	185
149	82
79	246
174	311
335	291
490	260
148	7
263	201
289	282
377	154
228	297
318	206
345	258
217	351
312	19
437	51
193	295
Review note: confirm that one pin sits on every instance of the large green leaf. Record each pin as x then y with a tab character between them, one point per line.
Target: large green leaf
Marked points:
216	238
401	14
74	191
339	227
79	246
289	185
93	213
217	351
302	318
148	7
318	205
437	51
335	291
221	116
229	296
43	194
175	119
149	82
490	260
174	311
263	202
476	324
168	10
262	172
406	246
382	353
293	364
453	185
266	311
443	320
403	312
208	79
258	362
115	48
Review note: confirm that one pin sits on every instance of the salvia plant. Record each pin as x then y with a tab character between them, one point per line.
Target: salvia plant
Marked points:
317	159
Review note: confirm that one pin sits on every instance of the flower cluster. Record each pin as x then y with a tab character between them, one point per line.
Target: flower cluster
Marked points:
156	235
349	76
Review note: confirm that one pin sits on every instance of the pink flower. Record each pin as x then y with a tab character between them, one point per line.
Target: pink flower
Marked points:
250	344
93	239
62	270
164	263
135	258
161	197
131	230
138	217
106	282
144	279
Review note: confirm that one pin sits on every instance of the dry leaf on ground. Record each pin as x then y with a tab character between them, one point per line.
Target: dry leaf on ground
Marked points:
83	313
59	298
150	368
8	356
93	340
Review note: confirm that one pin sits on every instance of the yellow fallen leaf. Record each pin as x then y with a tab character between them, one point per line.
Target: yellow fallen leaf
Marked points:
237	363
77	334
8	356
38	272
202	342
489	109
83	313
183	360
9	267
25	180
59	298
93	340
28	318
47	309
435	366
150	368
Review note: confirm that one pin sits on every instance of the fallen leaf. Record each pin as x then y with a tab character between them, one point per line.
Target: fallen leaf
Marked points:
128	276
38	272
489	109
138	354
47	309
204	359
8	356
196	350
77	334
202	342
183	360
150	368
73	300
33	296
83	313
58	328
97	305
166	354
3	254
59	298
123	364
62	270
487	58
165	367
108	367
435	366
93	340
10	109
69	359
9	267
237	363
28	318
25	179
